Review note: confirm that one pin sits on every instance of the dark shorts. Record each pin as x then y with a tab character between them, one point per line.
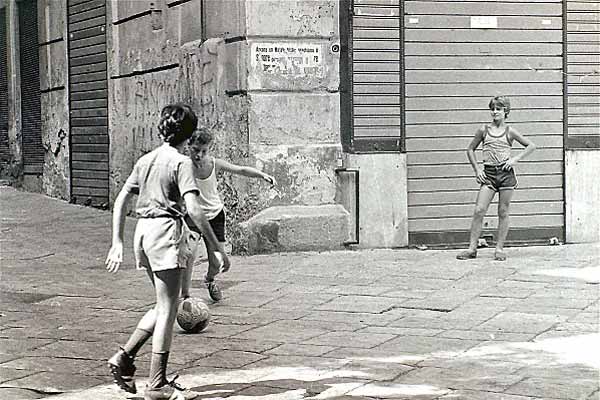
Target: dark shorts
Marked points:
498	179
217	224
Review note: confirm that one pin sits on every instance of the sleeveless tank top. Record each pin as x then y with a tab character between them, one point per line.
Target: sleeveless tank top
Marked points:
496	149
209	198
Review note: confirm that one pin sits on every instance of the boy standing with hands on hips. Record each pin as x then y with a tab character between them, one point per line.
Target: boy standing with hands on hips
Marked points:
497	174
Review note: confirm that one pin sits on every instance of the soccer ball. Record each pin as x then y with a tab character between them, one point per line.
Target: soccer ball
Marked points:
193	315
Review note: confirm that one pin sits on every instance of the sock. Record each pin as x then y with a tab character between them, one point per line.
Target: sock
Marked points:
136	341
158	369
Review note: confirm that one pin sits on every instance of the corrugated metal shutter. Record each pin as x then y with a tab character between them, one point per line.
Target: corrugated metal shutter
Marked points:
583	74
31	124
88	97
4	150
452	70
376	76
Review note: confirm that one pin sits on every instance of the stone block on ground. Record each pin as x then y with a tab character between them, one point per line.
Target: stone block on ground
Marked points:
298	228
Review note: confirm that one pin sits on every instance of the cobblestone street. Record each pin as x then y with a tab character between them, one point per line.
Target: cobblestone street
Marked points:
356	324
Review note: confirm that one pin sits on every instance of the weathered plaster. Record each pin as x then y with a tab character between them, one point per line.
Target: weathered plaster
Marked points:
55	130
305	173
307	18
582	196
293	118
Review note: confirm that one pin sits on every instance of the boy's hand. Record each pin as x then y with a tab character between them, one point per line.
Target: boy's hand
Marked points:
509	164
114	258
480	177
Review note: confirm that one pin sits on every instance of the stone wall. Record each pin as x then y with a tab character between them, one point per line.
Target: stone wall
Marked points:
54	98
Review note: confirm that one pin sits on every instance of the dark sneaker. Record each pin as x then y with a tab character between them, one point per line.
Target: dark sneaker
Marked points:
467	255
122	370
170	391
214	291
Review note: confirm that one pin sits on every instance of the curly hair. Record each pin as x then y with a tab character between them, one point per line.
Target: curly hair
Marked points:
177	123
501	101
201	136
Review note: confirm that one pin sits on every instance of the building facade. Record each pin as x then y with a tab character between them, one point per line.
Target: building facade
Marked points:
361	109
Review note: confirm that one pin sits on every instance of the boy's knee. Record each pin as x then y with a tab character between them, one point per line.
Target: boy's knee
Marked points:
480	211
503	212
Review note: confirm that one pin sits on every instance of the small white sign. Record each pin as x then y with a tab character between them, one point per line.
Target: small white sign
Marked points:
546	22
484	22
413	20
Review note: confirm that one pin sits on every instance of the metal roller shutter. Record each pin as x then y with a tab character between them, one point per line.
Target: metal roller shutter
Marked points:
88	97
4	151
583	79
453	66
33	151
376	47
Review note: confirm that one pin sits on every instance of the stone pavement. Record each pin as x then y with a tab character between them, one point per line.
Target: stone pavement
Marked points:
371	324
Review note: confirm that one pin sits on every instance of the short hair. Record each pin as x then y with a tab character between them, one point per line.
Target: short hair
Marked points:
177	123
501	101
201	136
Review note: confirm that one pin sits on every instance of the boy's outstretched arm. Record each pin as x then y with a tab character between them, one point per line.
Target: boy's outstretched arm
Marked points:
115	254
529	148
197	215
479	172
244	170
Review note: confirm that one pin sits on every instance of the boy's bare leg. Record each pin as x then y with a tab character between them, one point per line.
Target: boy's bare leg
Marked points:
484	198
214	266
505	197
186	277
167	287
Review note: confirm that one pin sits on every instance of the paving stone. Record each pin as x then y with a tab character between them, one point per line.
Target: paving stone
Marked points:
50	364
298	301
20	346
481	395
70	349
50	382
359	304
285	331
18	393
544	388
402	331
462	377
387	390
368	319
350	339
483	335
362	290
8	373
519	323
228	359
299	350
426	345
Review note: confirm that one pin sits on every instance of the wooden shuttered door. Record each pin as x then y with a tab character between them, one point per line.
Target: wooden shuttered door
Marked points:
4	149
583	74
88	98
452	70
376	75
31	121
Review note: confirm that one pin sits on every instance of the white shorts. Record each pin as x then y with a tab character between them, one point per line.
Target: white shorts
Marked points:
163	243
